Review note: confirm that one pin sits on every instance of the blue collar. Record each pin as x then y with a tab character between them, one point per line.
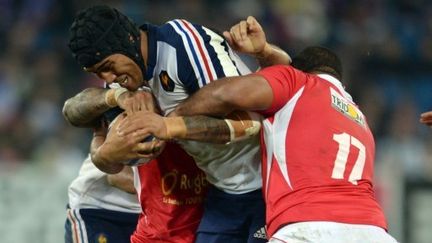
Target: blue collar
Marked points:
151	48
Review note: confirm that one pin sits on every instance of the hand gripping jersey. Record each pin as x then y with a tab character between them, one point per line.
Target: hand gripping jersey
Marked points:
319	153
182	58
171	190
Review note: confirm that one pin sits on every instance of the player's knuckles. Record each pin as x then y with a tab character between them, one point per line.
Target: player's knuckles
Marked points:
128	104
252	20
125	131
149	107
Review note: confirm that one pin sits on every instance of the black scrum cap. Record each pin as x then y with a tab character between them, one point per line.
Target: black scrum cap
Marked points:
100	31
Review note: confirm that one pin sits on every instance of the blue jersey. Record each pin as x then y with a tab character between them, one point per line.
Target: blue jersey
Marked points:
183	57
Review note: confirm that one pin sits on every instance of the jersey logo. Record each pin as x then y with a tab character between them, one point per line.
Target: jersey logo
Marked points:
348	109
102	238
261	233
166	82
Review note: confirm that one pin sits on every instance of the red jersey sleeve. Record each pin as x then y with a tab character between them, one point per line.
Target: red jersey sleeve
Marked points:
284	81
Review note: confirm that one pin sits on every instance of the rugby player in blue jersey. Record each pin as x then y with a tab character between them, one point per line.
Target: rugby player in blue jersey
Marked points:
175	60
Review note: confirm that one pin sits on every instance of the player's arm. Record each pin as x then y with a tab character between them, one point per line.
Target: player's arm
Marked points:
250	92
236	126
85	108
249	37
99	137
123	180
272	55
110	152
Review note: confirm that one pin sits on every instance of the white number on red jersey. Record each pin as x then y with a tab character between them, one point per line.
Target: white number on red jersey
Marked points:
345	141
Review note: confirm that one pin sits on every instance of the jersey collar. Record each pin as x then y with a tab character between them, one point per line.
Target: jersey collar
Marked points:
336	83
151	49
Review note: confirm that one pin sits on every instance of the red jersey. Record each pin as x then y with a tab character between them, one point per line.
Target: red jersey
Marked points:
171	191
318	153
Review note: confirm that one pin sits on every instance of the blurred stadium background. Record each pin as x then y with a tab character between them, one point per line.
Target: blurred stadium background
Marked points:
386	47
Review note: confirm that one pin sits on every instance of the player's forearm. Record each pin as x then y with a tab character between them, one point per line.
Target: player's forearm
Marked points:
106	165
273	55
84	109
206	129
209	100
102	163
237	126
123	180
251	92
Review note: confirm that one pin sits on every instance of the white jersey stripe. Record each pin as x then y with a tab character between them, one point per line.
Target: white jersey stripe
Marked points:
280	126
268	140
193	58
201	50
195	43
338	85
137	182
227	64
241	66
81	225
74	227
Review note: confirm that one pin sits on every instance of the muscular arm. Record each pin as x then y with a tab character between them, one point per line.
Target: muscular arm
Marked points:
84	109
207	129
272	55
250	92
102	164
198	128
236	126
123	180
248	37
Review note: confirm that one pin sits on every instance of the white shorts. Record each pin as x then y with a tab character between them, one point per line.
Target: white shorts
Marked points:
330	232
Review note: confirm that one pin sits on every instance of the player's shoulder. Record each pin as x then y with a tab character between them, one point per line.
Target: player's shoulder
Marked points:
175	32
177	26
181	23
189	30
281	71
278	68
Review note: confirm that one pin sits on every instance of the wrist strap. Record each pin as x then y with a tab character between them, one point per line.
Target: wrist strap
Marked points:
242	125
175	126
118	92
112	95
110	98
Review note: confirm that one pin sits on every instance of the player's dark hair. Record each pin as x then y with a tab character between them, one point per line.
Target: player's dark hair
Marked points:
318	59
100	31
